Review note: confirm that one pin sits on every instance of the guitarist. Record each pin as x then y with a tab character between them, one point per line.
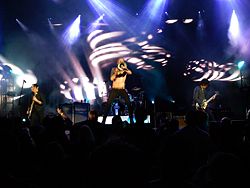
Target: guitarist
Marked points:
201	94
35	111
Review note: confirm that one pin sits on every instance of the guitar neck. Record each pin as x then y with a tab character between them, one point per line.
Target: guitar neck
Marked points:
211	98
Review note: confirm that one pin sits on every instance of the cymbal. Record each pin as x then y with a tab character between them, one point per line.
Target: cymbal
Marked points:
136	89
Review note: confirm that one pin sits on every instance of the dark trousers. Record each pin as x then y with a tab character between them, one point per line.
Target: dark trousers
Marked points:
114	94
36	127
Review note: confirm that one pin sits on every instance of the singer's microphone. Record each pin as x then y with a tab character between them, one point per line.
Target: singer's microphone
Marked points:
24	81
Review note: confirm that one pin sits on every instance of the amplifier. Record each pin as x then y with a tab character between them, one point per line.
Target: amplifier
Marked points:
76	111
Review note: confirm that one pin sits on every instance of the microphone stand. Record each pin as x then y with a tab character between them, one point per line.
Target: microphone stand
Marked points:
19	100
21	92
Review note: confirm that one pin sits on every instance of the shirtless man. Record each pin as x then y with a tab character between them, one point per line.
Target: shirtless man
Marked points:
118	77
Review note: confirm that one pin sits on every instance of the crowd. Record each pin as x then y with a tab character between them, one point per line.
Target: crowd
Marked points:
91	154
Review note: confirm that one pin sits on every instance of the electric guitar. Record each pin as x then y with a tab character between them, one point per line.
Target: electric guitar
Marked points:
205	102
31	107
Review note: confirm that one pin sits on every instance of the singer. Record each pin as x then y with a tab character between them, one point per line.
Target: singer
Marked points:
118	77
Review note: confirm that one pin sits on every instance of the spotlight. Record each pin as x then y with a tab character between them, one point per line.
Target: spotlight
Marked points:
187	21
172	21
152	101
73	31
234	29
159	30
240	64
150	37
24	28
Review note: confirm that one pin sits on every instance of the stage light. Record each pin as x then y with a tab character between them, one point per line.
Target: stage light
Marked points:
51	26
171	21
153	11
159	30
172	100
24	28
73	31
240	64
187	21
152	101
150	37
234	29
200	25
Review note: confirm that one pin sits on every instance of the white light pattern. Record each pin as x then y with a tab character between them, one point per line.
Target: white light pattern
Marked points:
133	49
103	37
199	70
84	90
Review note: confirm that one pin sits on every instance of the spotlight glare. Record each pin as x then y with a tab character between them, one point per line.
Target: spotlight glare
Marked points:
159	30
234	29
57	24
73	31
150	37
241	64
24	28
172	21
187	21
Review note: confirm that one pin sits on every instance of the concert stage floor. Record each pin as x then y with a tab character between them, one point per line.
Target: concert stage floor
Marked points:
124	118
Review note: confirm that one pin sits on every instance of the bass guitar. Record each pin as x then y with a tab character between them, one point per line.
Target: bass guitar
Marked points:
29	112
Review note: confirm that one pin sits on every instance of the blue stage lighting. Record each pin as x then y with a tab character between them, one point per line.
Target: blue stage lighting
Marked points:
73	31
241	64
234	29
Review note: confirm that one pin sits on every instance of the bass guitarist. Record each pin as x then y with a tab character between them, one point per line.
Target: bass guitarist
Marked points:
35	111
